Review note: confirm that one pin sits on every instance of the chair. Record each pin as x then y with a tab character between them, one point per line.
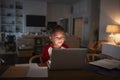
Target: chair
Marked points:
31	60
3	39
95	46
10	44
2	61
73	41
92	47
94	57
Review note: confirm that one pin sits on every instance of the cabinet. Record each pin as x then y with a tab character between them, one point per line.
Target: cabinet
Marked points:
37	45
11	16
111	50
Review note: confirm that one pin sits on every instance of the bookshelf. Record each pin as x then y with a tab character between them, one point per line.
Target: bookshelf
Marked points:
11	16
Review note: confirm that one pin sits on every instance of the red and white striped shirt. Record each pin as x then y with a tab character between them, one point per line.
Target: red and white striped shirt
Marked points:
47	51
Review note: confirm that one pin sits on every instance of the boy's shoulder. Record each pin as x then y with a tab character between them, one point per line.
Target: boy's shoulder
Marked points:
47	46
65	45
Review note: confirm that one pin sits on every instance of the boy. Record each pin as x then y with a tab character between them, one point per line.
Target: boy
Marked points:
57	38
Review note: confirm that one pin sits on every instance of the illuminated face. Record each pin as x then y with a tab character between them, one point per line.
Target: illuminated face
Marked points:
57	39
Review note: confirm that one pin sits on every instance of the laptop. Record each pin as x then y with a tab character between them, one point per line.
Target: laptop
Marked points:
70	58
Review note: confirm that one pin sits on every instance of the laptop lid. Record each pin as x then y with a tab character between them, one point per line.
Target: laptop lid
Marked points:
70	58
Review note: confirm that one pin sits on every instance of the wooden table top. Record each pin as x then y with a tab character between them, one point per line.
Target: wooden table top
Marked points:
19	72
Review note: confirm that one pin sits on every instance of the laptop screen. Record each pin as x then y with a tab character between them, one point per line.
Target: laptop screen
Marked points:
70	58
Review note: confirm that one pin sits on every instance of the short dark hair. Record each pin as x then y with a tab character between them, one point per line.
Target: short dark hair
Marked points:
56	29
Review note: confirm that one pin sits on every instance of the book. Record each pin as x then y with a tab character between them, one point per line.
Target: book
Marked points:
107	63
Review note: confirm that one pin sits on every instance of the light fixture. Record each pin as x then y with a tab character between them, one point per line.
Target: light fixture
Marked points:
113	29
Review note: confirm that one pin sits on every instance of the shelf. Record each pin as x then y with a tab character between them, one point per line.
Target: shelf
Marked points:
6	24
3	8
11	15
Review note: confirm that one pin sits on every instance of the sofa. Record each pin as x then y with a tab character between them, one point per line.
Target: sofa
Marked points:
25	46
28	41
72	41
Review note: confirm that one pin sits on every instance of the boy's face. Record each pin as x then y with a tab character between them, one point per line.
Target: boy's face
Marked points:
57	39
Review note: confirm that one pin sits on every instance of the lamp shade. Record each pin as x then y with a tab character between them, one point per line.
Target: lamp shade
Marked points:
113	28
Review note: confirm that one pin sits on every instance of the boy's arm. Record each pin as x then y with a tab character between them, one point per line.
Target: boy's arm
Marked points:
45	55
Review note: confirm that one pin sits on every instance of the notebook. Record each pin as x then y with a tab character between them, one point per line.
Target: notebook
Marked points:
70	58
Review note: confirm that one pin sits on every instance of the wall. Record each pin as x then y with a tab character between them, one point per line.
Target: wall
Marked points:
83	9
57	12
94	19
34	7
53	12
109	14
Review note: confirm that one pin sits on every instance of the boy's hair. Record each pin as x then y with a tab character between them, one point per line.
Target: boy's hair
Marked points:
56	29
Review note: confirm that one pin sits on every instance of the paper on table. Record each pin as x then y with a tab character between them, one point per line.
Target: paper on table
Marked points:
35	70
107	63
29	65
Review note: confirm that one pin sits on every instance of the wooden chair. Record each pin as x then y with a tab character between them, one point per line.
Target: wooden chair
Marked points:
2	61
3	39
92	47
35	57
94	57
95	46
10	44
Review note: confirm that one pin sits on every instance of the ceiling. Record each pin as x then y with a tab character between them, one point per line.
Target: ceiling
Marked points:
62	1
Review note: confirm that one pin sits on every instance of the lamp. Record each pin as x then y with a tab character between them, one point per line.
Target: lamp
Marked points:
113	29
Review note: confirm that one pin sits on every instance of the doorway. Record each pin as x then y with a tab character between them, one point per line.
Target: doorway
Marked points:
77	27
